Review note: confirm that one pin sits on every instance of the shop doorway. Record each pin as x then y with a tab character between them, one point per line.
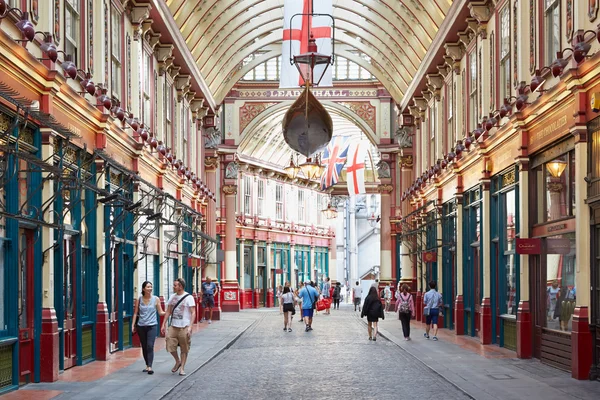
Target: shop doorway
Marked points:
115	298
261	286
25	304
595	301
69	331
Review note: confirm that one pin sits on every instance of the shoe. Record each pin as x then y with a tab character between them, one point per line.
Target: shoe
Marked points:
374	339
289	329
310	328
284	329
426	336
145	370
306	329
209	321
435	338
176	367
202	320
406	339
150	372
370	338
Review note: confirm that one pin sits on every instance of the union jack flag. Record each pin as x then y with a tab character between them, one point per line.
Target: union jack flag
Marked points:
334	159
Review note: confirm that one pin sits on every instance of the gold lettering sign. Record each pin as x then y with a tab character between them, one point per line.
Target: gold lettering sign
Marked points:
554	128
557	227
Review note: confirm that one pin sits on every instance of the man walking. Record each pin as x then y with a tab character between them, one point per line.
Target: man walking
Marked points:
309	296
357	295
182	310
209	291
337	291
432	300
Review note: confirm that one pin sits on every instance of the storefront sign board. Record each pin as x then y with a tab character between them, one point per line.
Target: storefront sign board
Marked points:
551	129
529	246
558	246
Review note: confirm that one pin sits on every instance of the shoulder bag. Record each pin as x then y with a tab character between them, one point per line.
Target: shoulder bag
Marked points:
177	305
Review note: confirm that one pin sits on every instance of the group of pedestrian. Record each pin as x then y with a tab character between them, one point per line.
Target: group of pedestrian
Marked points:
373	309
177	324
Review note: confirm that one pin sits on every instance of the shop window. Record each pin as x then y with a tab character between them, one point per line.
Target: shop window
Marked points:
552	28
505	71
450	113
115	17
555	184
146	74
561	291
168	102
3	324
248	266
510	258
72	28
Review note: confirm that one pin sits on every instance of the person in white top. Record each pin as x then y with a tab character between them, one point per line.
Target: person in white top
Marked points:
182	310
357	295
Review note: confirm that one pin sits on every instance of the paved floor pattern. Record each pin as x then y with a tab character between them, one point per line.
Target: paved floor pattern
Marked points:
334	361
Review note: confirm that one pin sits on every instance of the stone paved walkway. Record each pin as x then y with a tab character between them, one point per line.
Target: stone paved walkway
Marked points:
248	356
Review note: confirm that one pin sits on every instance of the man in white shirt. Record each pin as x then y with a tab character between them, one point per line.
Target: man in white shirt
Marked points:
357	295
182	310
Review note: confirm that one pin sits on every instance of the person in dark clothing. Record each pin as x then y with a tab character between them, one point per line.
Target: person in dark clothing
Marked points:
337	291
373	310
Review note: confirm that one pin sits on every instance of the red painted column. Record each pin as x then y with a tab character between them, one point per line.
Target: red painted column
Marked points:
419	306
49	347
524	331
230	287
459	315
581	343
485	316
102	332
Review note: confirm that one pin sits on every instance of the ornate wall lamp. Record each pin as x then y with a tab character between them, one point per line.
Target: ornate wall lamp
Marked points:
23	24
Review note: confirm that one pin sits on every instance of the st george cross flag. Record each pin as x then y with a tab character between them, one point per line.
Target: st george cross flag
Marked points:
334	159
296	36
355	169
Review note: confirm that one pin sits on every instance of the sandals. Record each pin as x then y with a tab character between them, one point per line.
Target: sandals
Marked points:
176	367
150	372
182	374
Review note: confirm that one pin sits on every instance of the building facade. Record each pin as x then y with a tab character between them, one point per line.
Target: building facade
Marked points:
501	176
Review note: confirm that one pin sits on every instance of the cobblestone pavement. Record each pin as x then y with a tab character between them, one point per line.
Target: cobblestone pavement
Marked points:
335	360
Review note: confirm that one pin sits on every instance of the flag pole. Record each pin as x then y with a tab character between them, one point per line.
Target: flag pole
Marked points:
372	165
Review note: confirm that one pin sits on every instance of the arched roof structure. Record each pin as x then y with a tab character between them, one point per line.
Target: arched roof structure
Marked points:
263	141
393	34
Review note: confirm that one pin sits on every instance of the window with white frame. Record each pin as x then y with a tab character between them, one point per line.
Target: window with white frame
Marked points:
505	71
247	195
185	134
279	202
301	205
116	27
260	198
320	207
450	110
552	28
432	126
72	28
473	111
146	74
167	113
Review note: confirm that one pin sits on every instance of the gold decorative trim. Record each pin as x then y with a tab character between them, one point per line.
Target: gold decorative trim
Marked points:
385	189
211	162
229	190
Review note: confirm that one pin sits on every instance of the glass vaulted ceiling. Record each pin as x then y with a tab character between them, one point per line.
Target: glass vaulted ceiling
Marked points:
393	34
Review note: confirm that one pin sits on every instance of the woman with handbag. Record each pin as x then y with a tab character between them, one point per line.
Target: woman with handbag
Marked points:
287	299
145	322
373	310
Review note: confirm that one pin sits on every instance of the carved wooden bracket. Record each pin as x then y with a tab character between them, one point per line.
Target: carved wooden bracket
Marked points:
420	102
229	190
153	38
174	71
139	12
211	163
455	51
165	65
147	25
162	51
385	189
435	80
482	11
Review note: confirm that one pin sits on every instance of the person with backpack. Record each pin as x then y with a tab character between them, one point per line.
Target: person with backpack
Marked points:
405	307
373	310
337	291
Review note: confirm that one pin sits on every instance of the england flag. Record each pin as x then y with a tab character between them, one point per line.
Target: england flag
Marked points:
355	169
296	32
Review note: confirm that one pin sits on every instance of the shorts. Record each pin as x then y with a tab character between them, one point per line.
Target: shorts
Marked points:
432	318
208	301
289	307
178	337
307	312
357	301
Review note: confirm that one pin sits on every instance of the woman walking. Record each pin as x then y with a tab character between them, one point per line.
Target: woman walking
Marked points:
145	322
287	298
405	308
373	309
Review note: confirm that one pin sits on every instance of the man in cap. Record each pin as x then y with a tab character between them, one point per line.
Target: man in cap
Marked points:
309	296
209	290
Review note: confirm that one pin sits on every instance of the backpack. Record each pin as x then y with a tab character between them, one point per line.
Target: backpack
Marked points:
336	291
404	306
